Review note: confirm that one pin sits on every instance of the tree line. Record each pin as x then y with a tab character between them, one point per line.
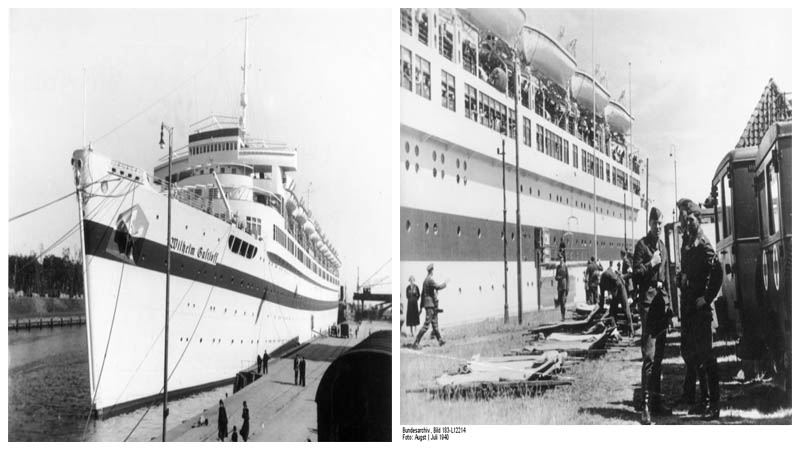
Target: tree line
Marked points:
48	276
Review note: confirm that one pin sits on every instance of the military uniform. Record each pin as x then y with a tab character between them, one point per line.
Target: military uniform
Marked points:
593	279
430	301
613	283
562	278
655	312
697	259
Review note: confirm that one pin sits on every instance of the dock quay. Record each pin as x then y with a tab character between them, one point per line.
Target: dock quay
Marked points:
279	410
46	322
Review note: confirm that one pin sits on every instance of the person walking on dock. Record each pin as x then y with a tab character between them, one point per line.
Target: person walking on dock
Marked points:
222	422
562	278
245	422
655	311
258	363
430	301
296	369
264	362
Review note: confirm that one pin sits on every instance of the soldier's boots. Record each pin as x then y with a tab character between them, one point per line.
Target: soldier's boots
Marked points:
645	414
646	420
441	342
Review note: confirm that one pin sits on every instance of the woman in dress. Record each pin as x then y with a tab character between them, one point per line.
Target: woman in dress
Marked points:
412	295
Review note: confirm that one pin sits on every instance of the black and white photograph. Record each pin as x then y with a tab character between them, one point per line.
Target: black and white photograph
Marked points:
199	225
595	218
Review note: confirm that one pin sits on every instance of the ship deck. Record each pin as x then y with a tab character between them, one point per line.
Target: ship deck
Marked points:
279	410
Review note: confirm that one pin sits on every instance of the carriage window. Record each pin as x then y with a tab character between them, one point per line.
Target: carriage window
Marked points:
728	205
773	197
760	196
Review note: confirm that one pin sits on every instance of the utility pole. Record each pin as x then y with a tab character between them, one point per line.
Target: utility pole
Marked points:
505	241
169	262
517	189
594	148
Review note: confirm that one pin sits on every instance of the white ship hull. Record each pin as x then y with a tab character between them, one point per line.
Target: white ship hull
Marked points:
225	308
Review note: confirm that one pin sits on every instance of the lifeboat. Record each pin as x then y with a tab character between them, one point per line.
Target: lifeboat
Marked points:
300	215
291	203
319	244
308	228
503	23
545	55
314	237
583	91
618	118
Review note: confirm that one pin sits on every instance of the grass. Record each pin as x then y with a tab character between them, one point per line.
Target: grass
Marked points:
35	307
602	392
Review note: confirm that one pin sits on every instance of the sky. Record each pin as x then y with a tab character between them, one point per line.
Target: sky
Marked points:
696	76
318	80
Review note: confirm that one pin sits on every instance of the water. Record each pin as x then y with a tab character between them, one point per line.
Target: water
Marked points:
49	398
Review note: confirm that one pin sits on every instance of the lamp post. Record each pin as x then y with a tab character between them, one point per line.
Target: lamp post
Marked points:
169	253
505	242
674	155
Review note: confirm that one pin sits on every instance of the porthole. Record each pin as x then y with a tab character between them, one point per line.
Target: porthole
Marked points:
427	228
479	233
458	163
502	233
442	158
408	147
465	165
408	165
458	179
458	231
443	174
408	226
416	150
434	156
530	191
416	167
492	287
513	236
521	189
435	229
434	172
465	181
459	290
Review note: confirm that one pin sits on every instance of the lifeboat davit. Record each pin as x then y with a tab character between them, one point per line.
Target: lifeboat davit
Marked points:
546	55
300	215
503	23
618	118
583	91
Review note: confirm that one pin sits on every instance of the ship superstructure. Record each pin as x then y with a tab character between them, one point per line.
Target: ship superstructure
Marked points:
251	269
457	89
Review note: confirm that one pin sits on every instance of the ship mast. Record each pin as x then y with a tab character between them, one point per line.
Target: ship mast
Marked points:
243	98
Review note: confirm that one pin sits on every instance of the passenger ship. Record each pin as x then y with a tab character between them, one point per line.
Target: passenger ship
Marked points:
451	168
251	269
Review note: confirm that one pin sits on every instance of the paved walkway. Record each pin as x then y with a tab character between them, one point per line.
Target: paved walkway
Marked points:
279	410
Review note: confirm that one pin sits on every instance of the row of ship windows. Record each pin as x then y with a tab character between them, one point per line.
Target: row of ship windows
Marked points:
213	308
241	341
221	146
613	212
280	237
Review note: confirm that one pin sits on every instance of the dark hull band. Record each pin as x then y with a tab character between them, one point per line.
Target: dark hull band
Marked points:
105	242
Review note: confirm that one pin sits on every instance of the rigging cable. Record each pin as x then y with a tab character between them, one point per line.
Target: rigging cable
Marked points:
186	347
163	97
113	319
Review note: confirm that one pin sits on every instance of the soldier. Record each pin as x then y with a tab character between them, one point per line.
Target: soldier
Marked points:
655	312
698	291
693	372
593	278
264	362
245	431
258	363
562	278
612	282
430	301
